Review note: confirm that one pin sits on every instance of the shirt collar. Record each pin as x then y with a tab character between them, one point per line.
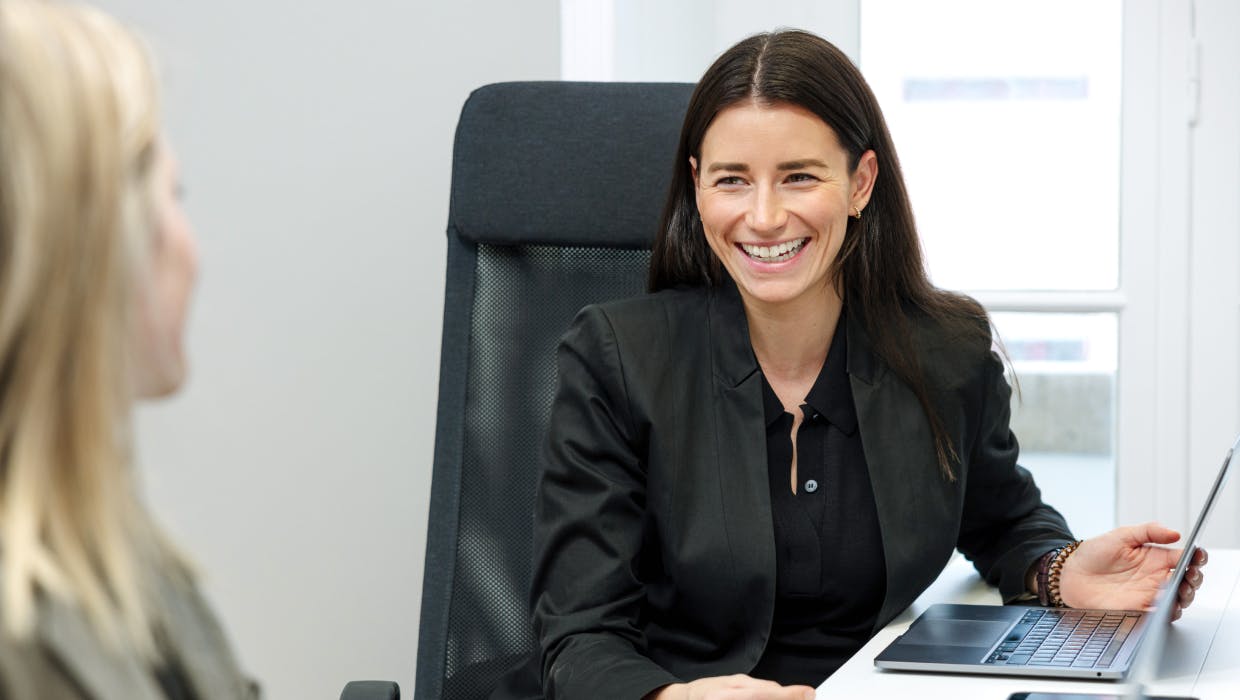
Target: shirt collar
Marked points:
831	395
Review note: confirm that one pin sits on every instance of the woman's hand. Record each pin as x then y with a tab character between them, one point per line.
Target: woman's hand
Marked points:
1122	570
737	687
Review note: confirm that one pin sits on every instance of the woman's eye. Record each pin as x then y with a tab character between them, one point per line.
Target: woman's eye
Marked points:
729	180
801	177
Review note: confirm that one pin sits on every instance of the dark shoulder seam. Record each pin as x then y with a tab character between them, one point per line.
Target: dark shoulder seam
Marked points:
624	383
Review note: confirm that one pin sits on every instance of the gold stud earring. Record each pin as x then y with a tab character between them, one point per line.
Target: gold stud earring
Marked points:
856	212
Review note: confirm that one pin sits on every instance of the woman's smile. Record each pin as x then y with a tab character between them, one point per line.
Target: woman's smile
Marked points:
769	253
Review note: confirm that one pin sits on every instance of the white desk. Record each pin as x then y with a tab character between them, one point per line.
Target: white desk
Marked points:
1201	659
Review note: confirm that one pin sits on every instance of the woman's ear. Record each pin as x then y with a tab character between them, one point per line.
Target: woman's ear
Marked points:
693	169
863	178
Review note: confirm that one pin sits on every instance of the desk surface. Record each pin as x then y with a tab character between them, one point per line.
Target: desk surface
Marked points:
1201	658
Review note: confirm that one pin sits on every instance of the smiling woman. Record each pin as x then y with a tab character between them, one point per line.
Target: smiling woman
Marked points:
754	467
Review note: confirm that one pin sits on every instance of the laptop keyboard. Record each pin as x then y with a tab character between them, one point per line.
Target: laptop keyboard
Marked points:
1059	637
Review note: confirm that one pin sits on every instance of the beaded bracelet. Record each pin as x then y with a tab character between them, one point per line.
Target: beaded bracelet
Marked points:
1049	595
1044	567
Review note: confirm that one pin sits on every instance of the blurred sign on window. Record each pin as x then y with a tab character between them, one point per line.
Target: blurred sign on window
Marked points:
1006	120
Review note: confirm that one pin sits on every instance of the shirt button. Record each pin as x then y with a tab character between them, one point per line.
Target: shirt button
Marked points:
811	486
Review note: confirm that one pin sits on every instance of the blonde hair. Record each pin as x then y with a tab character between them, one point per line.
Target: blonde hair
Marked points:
79	133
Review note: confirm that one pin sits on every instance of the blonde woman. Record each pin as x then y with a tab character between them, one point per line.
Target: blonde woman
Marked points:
97	262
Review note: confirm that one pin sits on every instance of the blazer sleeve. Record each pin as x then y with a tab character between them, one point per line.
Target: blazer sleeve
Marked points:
588	530
1005	526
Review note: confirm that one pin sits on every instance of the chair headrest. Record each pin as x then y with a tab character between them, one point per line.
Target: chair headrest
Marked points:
565	163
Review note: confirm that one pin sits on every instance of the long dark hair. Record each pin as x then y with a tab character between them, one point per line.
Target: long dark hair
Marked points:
879	271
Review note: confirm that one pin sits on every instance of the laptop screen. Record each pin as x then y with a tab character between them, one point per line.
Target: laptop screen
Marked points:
1146	663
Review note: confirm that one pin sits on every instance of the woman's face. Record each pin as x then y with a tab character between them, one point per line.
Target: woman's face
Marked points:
774	192
164	299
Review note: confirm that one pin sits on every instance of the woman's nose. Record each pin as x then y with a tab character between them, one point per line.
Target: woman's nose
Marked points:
767	212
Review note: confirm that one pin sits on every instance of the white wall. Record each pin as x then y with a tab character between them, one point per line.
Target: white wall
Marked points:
316	139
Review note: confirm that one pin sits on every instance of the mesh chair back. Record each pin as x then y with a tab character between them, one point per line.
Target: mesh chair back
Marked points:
556	193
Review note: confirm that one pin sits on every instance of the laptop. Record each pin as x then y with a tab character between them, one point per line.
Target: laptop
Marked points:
1144	666
1035	641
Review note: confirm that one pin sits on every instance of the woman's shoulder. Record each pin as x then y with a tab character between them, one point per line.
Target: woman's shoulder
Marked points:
678	300
646	314
63	657
959	322
953	342
649	339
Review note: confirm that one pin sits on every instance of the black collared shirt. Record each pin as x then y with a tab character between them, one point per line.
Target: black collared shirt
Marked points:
830	572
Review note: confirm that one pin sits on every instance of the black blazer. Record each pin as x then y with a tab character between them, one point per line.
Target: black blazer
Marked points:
654	546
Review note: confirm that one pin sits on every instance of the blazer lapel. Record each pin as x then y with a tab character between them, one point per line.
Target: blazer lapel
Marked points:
741	453
66	634
199	643
917	513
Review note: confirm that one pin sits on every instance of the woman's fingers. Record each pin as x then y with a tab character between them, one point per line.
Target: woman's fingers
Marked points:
1150	533
798	692
774	691
1194	577
1155	557
755	689
1188	587
1186	594
743	687
1161	557
1198	561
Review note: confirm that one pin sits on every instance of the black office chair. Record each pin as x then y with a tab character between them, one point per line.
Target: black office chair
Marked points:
556	195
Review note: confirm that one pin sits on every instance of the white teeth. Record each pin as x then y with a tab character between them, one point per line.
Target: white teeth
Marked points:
776	253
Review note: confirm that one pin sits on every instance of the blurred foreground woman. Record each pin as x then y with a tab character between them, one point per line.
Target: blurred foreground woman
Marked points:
97	264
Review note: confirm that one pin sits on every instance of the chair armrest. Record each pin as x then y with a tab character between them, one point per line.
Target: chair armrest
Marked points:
370	690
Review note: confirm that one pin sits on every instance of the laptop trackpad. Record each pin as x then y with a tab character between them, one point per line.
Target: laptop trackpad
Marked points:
955	633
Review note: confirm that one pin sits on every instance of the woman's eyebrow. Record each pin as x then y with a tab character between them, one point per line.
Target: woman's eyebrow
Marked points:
802	164
787	165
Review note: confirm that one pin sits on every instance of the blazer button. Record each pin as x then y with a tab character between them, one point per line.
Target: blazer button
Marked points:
811	486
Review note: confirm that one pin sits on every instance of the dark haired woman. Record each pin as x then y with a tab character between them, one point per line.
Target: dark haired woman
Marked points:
752	469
